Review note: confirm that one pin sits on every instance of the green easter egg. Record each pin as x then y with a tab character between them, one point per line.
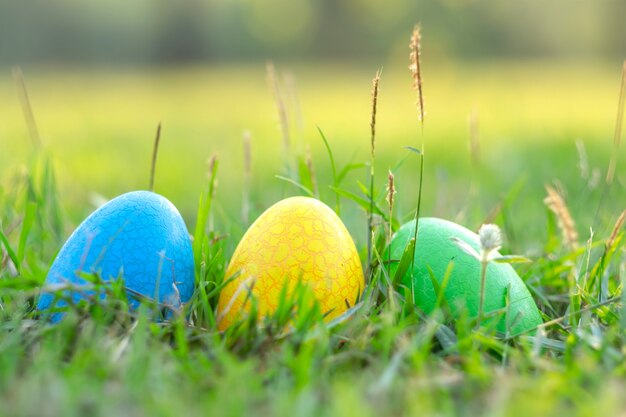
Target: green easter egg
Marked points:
435	249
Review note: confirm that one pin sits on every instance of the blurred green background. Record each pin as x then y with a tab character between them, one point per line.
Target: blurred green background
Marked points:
119	32
536	76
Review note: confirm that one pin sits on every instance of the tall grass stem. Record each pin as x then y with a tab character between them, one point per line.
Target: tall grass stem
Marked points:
247	177
27	108
415	66
282	116
370	220
618	127
155	151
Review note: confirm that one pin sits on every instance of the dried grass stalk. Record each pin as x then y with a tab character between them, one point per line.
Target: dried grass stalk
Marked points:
27	108
616	229
555	202
311	169
155	152
370	220
247	176
375	82
416	70
391	191
282	110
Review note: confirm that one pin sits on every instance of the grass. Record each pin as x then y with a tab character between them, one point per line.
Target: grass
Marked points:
387	358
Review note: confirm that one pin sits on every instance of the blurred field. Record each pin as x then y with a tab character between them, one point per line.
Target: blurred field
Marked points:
99	126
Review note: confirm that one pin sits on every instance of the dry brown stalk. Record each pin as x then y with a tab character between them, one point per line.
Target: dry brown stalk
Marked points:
416	70
616	229
282	111
155	152
294	102
27	108
370	225
375	82
247	175
391	191
311	169
555	202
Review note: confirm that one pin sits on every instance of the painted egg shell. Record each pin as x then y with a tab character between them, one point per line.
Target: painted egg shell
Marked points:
434	249
298	238
139	236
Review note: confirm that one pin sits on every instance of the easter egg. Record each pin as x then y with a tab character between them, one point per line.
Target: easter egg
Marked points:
297	239
139	237
435	250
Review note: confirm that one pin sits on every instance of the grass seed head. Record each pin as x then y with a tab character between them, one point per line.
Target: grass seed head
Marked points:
375	82
616	229
490	238
416	70
566	223
391	190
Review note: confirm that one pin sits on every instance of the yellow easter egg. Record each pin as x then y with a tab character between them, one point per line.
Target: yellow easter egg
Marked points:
298	238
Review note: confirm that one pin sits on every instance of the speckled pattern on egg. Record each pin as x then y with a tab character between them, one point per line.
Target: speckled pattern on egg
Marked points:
140	236
297	238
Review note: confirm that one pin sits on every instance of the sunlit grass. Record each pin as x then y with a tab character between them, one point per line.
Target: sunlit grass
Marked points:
387	358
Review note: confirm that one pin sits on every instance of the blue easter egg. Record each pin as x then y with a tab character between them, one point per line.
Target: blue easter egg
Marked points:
139	237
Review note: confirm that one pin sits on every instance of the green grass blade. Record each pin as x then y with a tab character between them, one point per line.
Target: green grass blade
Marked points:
405	262
296	184
364	203
27	225
349	168
14	258
204	208
333	167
